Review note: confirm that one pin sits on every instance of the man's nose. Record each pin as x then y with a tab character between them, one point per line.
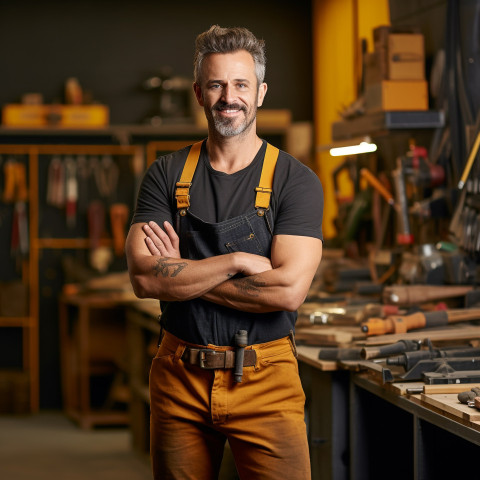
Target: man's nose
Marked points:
228	94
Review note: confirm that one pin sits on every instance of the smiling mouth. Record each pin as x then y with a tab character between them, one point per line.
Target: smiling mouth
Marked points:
229	108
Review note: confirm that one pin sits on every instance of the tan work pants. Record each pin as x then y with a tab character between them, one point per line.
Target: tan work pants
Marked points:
193	412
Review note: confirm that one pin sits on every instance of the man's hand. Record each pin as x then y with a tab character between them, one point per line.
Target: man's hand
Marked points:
162	243
166	244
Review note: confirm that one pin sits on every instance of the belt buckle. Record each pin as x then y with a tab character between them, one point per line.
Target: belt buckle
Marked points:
202	358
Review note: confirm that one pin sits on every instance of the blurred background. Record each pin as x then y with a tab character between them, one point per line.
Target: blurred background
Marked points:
93	91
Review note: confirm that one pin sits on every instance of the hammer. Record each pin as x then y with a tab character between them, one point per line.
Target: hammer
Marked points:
241	341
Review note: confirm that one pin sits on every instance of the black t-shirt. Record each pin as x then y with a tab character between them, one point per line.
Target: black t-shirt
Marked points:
296	202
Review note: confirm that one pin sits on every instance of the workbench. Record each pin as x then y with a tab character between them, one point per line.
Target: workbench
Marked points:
358	428
92	345
143	331
361	429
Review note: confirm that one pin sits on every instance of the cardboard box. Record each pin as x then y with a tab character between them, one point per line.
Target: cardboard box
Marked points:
390	95
70	116
406	57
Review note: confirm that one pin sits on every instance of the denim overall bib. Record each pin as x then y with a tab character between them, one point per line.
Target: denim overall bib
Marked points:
202	322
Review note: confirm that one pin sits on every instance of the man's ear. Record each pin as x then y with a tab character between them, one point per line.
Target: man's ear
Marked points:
262	91
198	93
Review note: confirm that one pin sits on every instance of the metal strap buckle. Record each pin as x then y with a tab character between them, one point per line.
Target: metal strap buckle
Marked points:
202	358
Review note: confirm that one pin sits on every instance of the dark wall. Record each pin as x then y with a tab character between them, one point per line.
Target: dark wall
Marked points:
428	15
112	46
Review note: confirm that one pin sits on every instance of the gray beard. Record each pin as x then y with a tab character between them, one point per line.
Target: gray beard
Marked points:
226	128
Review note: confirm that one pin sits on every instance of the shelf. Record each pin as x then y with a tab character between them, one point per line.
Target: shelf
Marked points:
372	123
16	322
70	243
123	133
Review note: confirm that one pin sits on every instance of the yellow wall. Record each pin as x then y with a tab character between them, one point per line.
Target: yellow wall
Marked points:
338	27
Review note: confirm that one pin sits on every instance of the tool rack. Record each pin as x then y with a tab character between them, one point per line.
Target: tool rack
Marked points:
35	156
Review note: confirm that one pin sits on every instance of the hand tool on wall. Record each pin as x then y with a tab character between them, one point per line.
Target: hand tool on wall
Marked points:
404	235
375	183
100	256
19	236
15	189
417	294
56	182
106	176
241	341
351	209
420	171
470	161
403	324
118	222
455	227
21	181
71	191
83	180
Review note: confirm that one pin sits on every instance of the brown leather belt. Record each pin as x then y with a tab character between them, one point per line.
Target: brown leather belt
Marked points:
209	359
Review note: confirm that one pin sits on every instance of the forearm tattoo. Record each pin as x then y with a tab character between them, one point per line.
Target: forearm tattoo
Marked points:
167	268
249	286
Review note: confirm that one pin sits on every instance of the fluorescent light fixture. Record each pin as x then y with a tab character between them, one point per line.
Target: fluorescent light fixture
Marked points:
362	147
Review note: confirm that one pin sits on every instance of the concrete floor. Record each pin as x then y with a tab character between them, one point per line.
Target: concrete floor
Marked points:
48	446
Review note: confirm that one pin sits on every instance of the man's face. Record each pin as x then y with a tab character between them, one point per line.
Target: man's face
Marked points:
229	92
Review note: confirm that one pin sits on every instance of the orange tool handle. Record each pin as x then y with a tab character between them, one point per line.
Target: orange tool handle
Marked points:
375	183
394	324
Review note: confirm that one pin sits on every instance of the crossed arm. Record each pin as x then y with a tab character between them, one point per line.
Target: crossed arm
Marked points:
282	283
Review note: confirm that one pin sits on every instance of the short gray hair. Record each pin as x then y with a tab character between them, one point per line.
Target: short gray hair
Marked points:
228	40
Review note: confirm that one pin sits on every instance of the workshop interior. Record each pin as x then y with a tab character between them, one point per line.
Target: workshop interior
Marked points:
379	98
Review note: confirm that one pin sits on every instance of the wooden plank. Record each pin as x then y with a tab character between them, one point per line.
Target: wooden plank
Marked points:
320	335
449	388
310	355
400	388
451	333
448	403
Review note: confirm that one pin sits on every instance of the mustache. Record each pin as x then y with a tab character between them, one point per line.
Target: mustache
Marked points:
228	106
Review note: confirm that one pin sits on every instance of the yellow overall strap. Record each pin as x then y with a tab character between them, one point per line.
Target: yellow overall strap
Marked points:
182	192
264	189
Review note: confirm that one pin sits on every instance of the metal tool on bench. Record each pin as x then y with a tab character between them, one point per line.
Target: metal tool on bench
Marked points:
468	397
409	360
345	314
396	348
433	366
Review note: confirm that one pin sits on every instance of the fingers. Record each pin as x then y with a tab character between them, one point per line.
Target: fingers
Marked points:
155	239
158	232
160	242
152	248
172	235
